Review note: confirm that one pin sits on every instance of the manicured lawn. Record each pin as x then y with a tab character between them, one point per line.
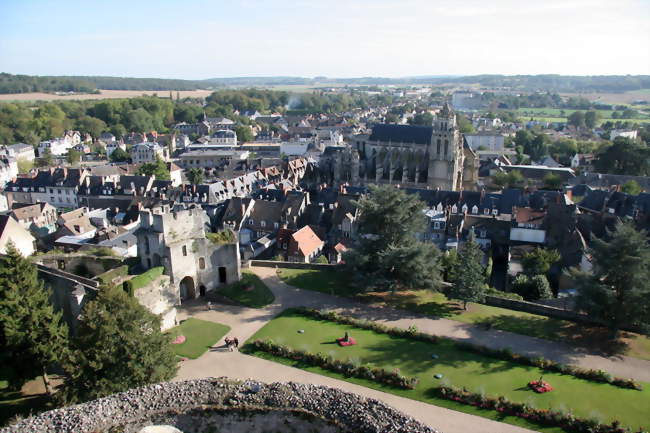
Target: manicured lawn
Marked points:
436	304
258	296
459	368
200	335
330	282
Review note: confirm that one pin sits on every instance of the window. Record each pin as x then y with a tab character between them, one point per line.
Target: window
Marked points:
284	246
276	225
495	212
483	233
51	191
436	225
250	221
263	223
184	250
201	263
486	211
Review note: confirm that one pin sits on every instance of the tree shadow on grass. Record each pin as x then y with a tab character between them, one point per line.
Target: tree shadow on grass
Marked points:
584	337
411	301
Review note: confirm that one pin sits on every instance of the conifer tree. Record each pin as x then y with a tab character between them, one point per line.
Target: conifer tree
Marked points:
617	289
388	254
118	346
33	333
468	283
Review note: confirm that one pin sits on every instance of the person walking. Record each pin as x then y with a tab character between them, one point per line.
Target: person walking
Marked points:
236	341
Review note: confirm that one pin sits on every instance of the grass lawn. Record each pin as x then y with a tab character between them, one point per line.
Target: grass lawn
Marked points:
459	368
436	304
330	282
200	335
258	296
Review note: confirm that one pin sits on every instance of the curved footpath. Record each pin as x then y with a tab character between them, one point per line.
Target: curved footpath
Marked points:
244	322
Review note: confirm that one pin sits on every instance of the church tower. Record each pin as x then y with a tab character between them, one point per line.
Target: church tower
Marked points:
445	152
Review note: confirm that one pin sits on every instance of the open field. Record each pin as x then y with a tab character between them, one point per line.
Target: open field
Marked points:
436	304
614	98
104	94
459	367
200	336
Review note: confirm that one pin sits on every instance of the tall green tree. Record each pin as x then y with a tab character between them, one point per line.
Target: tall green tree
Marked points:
118	346
537	147
631	187
74	156
591	119
552	181
388	254
539	261
244	134
625	156
195	176
617	289
119	155
33	333
468	279
158	169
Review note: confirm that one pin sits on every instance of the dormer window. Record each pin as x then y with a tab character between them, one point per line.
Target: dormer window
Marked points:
486	211
263	223
483	233
250	221
454	209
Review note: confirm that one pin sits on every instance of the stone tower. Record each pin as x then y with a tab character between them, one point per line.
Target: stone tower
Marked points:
446	152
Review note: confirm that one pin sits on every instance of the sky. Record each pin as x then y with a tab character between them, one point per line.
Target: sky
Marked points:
198	39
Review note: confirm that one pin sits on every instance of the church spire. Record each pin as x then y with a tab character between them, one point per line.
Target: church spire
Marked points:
446	111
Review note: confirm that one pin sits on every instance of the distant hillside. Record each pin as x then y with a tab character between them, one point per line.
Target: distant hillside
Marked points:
560	83
26	83
530	83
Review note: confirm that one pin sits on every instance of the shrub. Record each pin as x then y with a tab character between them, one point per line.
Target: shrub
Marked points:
222	238
350	369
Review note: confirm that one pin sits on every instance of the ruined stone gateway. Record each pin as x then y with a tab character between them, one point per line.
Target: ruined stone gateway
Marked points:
176	239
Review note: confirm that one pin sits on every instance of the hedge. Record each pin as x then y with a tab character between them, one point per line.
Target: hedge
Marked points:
130	286
349	369
504	354
546	417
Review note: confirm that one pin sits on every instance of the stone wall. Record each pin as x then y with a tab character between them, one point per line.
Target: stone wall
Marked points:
292	265
160	297
139	407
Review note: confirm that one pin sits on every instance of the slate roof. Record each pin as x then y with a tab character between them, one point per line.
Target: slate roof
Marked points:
402	134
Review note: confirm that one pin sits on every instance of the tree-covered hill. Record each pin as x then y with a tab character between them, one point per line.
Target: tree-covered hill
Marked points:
530	83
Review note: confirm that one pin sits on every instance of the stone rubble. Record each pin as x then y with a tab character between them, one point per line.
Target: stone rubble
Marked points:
349	411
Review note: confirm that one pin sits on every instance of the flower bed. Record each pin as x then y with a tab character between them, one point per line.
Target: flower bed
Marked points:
540	386
179	340
349	342
546	417
504	354
379	375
